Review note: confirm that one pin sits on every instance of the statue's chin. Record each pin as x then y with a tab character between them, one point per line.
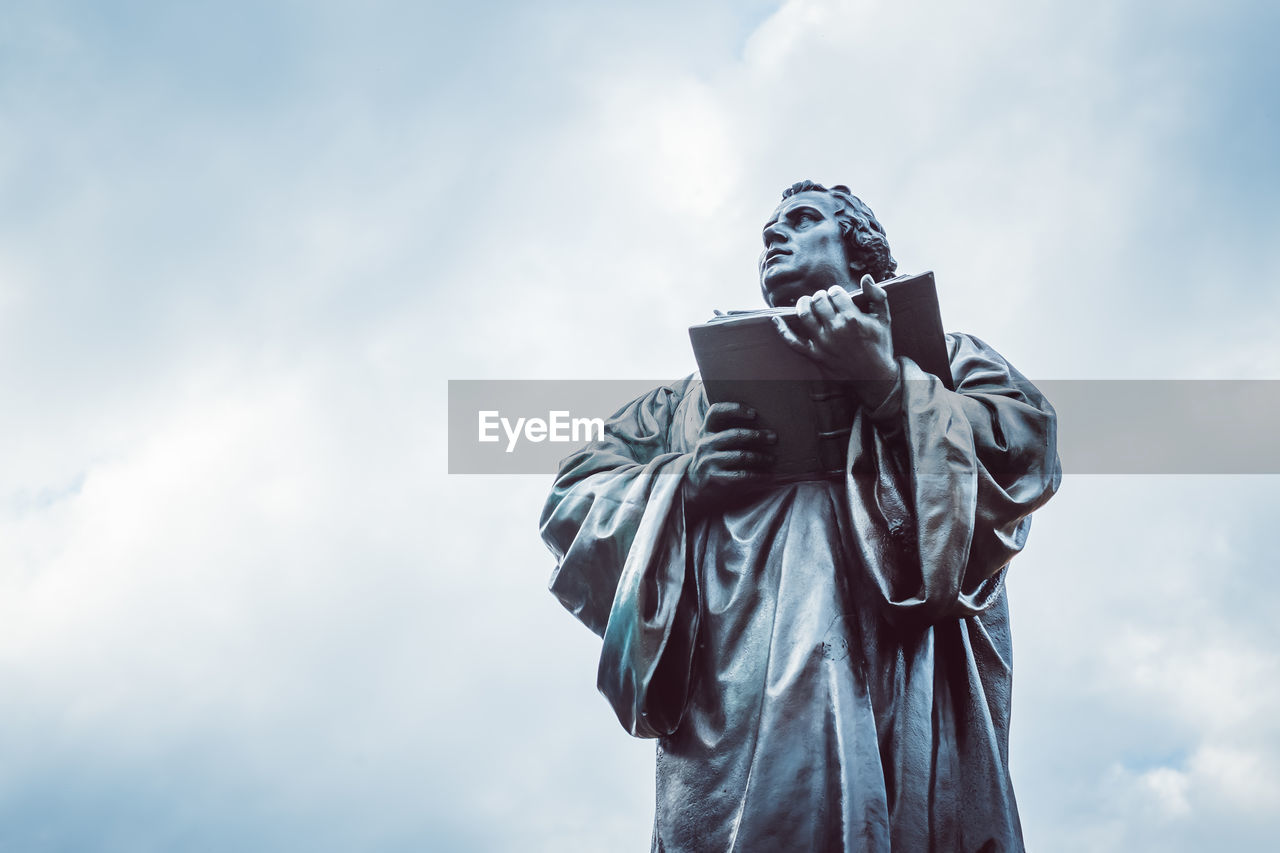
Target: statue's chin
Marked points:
786	292
781	296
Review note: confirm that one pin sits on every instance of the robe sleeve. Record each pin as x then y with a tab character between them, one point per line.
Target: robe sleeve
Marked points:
941	488
615	521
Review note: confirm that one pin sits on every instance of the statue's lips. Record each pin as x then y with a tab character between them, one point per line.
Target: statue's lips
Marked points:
774	254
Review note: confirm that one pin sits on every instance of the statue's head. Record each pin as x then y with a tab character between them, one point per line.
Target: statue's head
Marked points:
817	238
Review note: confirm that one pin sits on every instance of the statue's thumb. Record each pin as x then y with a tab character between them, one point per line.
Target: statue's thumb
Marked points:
877	298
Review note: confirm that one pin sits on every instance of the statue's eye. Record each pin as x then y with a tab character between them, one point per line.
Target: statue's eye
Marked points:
805	216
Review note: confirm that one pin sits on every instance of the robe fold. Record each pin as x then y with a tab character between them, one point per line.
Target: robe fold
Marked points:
827	666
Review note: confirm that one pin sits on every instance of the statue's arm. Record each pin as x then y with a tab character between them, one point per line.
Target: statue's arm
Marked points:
943	482
615	521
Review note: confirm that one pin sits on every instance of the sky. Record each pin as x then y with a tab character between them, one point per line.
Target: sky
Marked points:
244	246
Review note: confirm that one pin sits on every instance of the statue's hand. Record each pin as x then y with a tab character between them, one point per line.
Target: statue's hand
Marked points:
728	460
853	345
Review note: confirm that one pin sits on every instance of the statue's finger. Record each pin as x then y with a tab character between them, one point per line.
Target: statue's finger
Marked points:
741	438
804	347
741	475
841	300
823	310
749	460
721	416
877	297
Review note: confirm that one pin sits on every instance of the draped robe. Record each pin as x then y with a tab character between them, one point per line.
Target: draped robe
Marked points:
827	666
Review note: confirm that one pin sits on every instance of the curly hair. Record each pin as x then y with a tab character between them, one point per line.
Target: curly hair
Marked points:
864	237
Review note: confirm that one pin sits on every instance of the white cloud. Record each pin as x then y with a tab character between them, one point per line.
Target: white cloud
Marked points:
1168	788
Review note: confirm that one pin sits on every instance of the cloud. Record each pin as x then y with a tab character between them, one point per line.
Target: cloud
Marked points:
1145	665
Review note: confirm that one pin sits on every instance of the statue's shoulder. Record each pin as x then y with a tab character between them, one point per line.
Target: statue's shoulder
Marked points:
680	406
671	394
666	403
688	387
976	367
966	352
960	344
691	395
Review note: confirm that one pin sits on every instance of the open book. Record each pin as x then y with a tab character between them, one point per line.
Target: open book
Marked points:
743	359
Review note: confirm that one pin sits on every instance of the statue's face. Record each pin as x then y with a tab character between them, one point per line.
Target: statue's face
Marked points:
803	250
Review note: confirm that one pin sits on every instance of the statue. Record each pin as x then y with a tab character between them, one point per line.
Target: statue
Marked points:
825	664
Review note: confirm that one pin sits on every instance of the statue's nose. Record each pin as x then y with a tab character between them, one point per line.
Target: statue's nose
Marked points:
774	234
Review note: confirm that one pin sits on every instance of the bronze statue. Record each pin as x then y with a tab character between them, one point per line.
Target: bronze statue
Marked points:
825	664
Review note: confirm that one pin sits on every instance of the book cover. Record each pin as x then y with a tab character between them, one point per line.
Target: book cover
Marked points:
743	359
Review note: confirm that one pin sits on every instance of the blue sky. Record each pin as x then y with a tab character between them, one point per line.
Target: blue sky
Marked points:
243	247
